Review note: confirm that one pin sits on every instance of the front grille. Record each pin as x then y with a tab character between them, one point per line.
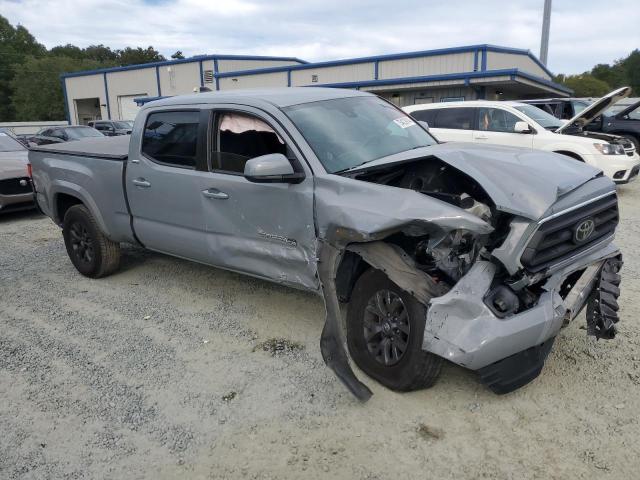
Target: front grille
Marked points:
11	186
557	239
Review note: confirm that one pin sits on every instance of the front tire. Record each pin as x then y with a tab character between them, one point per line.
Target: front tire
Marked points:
634	141
385	327
90	251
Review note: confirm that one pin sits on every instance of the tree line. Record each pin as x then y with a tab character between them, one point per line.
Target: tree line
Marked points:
30	87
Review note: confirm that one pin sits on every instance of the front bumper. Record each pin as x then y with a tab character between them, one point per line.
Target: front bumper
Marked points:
620	168
462	328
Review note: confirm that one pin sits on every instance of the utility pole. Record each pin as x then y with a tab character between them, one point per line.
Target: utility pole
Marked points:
544	41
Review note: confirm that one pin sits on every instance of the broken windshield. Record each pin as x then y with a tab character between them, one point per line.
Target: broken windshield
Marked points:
345	133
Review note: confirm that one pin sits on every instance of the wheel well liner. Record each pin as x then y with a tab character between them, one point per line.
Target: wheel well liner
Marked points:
64	202
570	154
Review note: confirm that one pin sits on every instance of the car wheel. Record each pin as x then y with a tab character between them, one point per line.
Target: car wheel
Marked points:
385	327
90	251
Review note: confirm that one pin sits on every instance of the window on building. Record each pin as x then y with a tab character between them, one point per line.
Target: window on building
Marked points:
240	137
172	138
452	99
496	120
455	118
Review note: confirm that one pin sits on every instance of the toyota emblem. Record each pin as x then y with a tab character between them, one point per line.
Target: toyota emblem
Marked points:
584	230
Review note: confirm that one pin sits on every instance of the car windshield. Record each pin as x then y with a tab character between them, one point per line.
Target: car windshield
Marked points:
539	116
82	132
9	144
347	132
122	125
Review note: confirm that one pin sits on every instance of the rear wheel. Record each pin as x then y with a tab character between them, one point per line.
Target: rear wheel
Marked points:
385	327
90	251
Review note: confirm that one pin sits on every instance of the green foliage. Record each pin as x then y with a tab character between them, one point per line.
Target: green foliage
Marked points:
30	87
584	85
178	55
604	77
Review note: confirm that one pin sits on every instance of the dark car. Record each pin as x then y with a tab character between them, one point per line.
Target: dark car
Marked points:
112	128
624	122
48	136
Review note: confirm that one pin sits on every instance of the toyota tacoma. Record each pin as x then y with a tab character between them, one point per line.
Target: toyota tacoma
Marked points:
478	255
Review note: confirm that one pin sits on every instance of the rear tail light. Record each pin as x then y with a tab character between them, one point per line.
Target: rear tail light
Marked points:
29	171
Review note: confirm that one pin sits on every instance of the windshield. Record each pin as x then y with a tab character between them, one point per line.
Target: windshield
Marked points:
82	132
9	144
122	125
347	132
544	119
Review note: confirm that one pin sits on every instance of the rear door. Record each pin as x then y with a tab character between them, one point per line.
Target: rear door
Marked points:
496	127
263	229
453	124
165	178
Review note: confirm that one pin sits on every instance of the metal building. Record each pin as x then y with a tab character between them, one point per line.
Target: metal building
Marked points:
460	73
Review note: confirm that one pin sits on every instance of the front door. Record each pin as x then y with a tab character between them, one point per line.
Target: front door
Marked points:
263	229
165	182
496	127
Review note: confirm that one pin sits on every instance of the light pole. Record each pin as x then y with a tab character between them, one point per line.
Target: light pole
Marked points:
544	41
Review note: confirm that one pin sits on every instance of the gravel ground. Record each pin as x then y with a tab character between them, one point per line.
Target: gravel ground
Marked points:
170	369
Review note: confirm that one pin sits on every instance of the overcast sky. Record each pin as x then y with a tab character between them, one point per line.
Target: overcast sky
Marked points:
583	33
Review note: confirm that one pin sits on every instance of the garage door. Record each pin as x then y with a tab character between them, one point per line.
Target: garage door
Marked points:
127	108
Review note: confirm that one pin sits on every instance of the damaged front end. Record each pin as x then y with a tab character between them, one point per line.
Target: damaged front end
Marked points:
439	235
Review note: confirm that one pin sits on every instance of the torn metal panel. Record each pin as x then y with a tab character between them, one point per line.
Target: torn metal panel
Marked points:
461	328
400	268
332	341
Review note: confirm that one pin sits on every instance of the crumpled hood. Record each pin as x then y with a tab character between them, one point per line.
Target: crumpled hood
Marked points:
519	181
13	164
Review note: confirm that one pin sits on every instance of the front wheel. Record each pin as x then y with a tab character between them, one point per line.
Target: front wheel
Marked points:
90	251
385	327
634	141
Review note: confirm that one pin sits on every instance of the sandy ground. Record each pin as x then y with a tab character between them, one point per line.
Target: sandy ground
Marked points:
160	371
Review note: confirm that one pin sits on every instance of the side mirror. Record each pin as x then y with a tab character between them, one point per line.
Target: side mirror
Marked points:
522	127
424	125
271	168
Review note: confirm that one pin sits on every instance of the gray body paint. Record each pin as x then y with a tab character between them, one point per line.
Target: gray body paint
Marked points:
297	234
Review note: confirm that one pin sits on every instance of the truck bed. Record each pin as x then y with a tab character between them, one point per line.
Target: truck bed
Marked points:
115	148
90	171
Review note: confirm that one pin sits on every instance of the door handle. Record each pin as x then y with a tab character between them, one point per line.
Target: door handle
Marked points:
481	137
215	193
141	182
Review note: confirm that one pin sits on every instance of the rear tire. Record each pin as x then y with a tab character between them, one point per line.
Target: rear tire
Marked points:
385	327
90	251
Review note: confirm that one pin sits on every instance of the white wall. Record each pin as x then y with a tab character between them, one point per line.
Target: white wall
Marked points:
337	74
86	86
502	61
430	65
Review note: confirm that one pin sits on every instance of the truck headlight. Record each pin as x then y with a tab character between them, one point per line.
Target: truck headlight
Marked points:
609	148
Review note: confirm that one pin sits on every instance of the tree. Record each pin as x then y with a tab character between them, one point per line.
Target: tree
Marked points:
585	85
178	55
133	56
37	92
631	66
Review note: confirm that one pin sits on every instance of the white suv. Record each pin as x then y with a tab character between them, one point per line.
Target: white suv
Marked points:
520	125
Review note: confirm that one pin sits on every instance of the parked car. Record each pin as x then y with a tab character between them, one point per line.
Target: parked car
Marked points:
111	128
518	124
47	136
618	119
471	253
15	186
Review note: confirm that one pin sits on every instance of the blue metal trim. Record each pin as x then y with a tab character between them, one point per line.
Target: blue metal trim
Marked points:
289	78
180	60
475	60
66	100
483	66
106	94
215	73
158	80
201	75
376	66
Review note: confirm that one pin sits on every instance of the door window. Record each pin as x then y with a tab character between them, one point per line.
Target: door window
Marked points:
455	118
496	120
240	137
424	116
172	138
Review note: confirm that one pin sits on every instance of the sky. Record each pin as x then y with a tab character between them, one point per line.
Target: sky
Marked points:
583	32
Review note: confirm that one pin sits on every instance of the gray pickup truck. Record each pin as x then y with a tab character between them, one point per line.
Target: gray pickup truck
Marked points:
473	254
